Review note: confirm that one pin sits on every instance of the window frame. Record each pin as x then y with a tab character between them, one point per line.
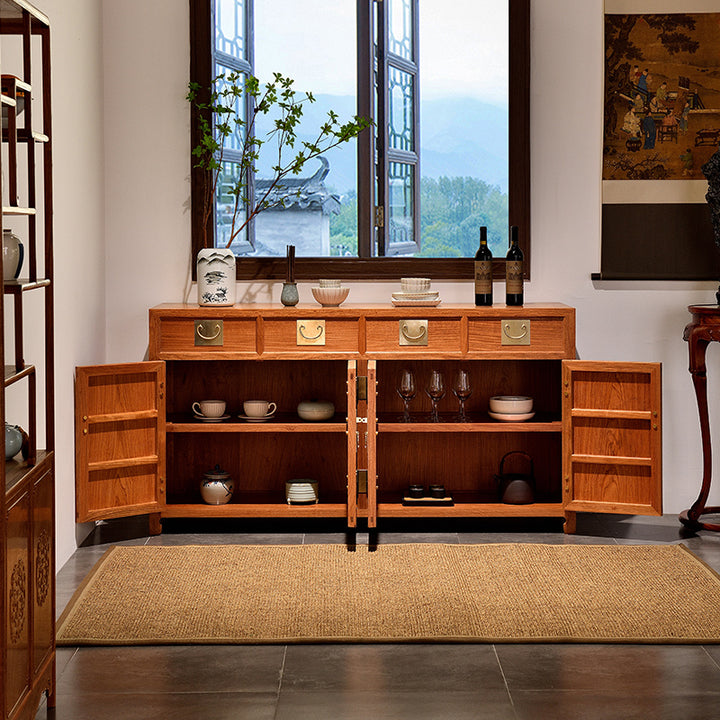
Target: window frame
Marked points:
391	267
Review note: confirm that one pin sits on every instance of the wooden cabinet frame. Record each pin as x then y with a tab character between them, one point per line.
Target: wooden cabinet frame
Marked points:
27	508
602	416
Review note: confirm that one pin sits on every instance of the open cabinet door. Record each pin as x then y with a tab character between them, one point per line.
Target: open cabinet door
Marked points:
612	437
119	440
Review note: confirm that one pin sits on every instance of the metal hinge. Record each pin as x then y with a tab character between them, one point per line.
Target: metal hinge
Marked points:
361	387
362	480
379	216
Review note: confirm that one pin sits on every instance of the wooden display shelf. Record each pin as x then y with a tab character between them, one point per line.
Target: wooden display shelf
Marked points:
255	509
17	210
281	423
19	472
21	285
479	423
23	136
468	504
14	9
13	375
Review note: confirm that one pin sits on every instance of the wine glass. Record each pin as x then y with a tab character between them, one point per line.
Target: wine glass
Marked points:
406	390
436	392
462	391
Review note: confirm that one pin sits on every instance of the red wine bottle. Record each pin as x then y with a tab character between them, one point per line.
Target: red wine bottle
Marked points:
483	271
514	271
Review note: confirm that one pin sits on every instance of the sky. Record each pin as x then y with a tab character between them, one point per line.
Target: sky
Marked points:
463	52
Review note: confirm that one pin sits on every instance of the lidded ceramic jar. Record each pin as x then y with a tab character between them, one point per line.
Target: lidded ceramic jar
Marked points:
13	252
13	440
217	486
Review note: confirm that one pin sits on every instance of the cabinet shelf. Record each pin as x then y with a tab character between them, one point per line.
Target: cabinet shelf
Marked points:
24	136
17	210
281	423
19	472
255	508
471	509
21	285
479	423
13	375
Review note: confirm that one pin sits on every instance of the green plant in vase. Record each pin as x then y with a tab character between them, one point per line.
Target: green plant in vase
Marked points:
218	119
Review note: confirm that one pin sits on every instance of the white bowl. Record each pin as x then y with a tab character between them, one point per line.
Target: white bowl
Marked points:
316	410
330	296
511	404
301	491
330	283
415	285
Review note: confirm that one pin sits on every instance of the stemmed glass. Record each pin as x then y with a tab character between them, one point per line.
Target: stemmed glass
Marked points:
436	392
462	391
406	390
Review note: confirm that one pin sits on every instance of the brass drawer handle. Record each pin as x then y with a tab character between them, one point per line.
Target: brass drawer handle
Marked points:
218	330
413	338
320	329
208	332
523	327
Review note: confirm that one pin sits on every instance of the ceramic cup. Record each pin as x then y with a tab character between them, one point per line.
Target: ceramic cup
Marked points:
259	408
330	283
209	408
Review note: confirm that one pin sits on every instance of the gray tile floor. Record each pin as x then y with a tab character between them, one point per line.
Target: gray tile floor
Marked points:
344	682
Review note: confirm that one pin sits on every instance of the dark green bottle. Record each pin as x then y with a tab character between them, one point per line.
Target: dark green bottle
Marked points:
514	271
483	271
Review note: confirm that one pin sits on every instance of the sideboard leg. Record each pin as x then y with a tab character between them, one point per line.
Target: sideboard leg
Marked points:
570	523
155	526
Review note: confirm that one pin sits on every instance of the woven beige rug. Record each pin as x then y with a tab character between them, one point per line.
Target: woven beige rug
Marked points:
397	593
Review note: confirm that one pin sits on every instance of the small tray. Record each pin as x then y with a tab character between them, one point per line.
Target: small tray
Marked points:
428	501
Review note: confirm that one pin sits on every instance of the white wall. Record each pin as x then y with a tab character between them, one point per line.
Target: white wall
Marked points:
144	124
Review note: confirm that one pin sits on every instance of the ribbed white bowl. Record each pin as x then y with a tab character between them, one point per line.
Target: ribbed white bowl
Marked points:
330	297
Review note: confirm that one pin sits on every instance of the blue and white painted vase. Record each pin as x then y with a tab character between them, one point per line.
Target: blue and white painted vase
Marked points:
216	277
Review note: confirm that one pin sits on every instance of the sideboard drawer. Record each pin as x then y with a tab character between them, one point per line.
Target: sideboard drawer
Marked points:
518	336
314	334
440	336
206	336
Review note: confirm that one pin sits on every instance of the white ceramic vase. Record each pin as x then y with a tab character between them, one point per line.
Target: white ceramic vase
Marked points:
216	276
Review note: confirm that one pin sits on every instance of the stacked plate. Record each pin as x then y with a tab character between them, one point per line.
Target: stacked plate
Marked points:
415	292
301	491
511	408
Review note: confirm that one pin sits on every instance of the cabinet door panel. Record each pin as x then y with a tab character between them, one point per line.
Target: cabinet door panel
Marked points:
120	439
17	601
43	508
612	437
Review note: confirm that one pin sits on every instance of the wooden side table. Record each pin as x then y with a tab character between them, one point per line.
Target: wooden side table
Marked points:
704	329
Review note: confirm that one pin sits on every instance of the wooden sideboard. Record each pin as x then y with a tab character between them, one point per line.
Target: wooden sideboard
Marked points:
595	439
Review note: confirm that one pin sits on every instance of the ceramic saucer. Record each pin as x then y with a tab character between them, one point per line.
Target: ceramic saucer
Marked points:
256	419
202	418
510	417
434	302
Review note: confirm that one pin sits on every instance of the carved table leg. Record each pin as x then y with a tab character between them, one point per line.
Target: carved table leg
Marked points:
697	343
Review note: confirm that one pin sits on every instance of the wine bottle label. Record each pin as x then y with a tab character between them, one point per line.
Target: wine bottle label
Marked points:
483	277
514	276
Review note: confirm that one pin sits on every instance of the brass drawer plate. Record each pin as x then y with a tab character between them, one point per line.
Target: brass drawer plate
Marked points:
413	332
515	332
310	332
208	332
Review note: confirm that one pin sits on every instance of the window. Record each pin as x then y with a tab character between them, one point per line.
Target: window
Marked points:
391	209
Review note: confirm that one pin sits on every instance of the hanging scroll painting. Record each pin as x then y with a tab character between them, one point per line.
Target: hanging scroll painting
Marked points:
661	125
